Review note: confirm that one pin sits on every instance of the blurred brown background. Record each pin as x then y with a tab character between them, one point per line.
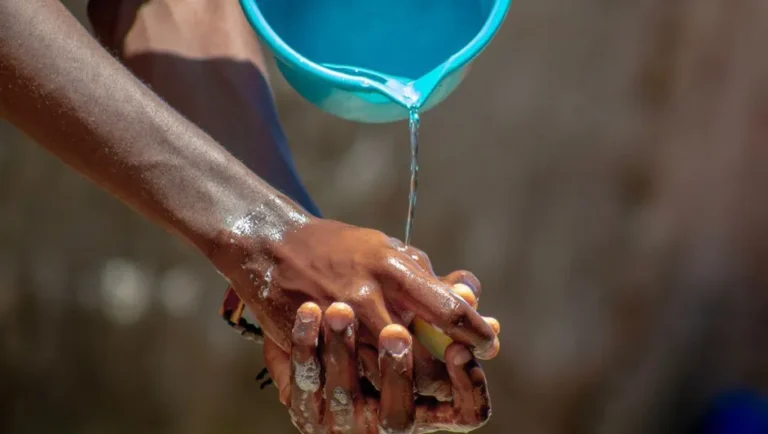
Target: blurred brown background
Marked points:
601	170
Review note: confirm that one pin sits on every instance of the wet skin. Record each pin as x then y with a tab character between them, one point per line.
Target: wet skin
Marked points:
163	43
318	380
61	88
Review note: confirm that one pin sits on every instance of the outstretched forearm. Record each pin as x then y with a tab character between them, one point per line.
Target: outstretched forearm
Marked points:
203	59
65	91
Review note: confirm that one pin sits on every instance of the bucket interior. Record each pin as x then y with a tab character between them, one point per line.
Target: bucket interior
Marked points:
404	38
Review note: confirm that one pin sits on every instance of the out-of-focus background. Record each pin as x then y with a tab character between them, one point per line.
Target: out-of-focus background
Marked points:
602	170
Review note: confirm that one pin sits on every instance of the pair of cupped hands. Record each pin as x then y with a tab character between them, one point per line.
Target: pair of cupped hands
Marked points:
336	303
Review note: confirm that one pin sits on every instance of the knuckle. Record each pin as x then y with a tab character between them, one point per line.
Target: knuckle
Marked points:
379	237
396	243
390	263
456	312
420	258
363	294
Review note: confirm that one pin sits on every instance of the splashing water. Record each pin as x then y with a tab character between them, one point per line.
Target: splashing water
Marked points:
413	126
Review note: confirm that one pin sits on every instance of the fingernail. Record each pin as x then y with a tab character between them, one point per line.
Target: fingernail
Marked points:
462	357
466	293
488	352
494	323
395	339
309	312
339	316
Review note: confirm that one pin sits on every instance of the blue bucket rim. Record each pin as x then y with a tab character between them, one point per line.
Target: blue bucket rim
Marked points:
349	82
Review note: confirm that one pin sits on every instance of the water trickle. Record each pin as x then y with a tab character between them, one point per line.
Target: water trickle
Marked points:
413	126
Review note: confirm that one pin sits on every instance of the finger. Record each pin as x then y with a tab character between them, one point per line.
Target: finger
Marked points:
342	389
471	406
396	366
369	422
467	278
420	258
430	375
417	255
279	367
371	309
471	401
434	340
494	323
435	303
396	243
306	393
465	293
432	378
369	364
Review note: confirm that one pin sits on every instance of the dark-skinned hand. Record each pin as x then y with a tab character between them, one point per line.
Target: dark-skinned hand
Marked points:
383	281
319	380
275	255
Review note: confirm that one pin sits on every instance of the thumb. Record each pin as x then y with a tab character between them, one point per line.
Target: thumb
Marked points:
279	367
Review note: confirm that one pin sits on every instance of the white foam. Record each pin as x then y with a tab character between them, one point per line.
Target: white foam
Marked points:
264	292
340	401
307	375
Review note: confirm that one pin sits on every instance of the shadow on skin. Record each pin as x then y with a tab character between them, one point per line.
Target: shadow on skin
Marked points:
229	99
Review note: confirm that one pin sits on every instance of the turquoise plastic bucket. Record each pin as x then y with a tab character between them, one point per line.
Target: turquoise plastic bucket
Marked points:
374	60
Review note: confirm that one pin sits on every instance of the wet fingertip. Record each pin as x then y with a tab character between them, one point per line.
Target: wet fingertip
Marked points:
395	331
395	339
494	323
467	278
339	316
307	326
340	308
466	293
458	354
309	312
489	351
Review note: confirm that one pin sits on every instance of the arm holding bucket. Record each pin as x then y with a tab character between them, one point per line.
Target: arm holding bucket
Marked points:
174	51
67	93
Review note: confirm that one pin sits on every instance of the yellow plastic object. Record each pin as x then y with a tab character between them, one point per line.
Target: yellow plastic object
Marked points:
433	339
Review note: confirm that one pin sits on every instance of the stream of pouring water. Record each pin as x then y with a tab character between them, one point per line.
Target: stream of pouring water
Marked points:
413	126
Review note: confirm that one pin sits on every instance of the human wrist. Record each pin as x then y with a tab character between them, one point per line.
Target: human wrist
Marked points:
254	233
